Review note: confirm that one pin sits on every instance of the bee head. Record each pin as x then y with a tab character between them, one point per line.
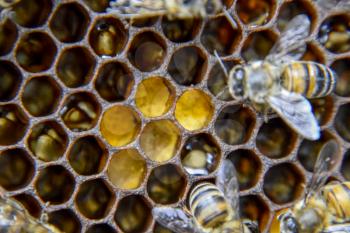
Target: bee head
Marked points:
236	79
288	223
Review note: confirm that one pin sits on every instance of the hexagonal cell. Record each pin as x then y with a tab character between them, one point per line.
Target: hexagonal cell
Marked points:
30	203
13	120
345	166
313	53
120	125
235	124
194	109
255	208
87	156
8	36
255	12
334	33
187	65
258	45
47	141
127	169
10	81
94	199
220	35
154	96
35	52
323	109
16	169
309	150
97	5
40	96
342	69
101	228
54	184
342	121
200	155
65	220
147	51
180	30
108	37
32	13
80	111
160	229
69	22
160	140
283	183
75	66
114	81
248	167
275	139
166	184
144	22
133	214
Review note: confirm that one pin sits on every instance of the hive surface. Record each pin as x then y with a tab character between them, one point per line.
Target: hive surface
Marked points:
104	127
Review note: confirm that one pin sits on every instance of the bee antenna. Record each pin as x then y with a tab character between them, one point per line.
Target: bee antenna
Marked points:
221	63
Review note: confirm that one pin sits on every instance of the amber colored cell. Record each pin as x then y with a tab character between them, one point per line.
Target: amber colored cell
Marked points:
255	12
10	80
65	220
127	169
342	69
313	53
253	207
8	36
154	96
275	224
180	30
101	228
345	166
342	121
120	125
258	45
32	13
194	110
30	203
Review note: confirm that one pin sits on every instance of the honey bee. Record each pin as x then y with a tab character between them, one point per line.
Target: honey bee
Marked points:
282	83
212	208
325	208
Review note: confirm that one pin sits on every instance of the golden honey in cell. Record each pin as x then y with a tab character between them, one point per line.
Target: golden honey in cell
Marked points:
212	208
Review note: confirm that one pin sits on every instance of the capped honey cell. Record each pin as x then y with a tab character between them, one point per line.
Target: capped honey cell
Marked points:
65	220
255	12
10	80
127	169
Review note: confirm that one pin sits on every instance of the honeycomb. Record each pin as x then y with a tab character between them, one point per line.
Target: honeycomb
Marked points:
101	118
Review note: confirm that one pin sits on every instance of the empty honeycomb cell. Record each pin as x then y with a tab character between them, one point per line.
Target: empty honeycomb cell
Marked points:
120	125
80	111
108	37
342	121
101	228
75	66
334	33
313	53
87	155
97	5
13	120
30	203
258	45
10	80
16	169
235	124
283	183
133	214
180	30
275	139
255	208
147	51
187	65
8	36
255	12
194	109
160	229
127	169
47	141
342	69
69	22
166	184
32	13
323	109
345	166
35	51
54	184
154	96
94	199
248	167
65	220
200	154
220	35
40	96
160	140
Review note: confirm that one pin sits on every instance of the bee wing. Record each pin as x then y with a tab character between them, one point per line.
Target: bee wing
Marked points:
296	110
338	228
327	5
137	8
291	43
175	219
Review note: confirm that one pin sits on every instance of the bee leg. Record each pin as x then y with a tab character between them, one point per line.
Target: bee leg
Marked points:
229	18
221	63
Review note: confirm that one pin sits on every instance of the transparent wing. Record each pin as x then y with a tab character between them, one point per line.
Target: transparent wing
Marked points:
137	8
291	43
327	5
297	113
175	219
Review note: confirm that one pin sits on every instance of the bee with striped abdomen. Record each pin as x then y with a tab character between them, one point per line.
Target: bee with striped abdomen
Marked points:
212	208
282	83
325	208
